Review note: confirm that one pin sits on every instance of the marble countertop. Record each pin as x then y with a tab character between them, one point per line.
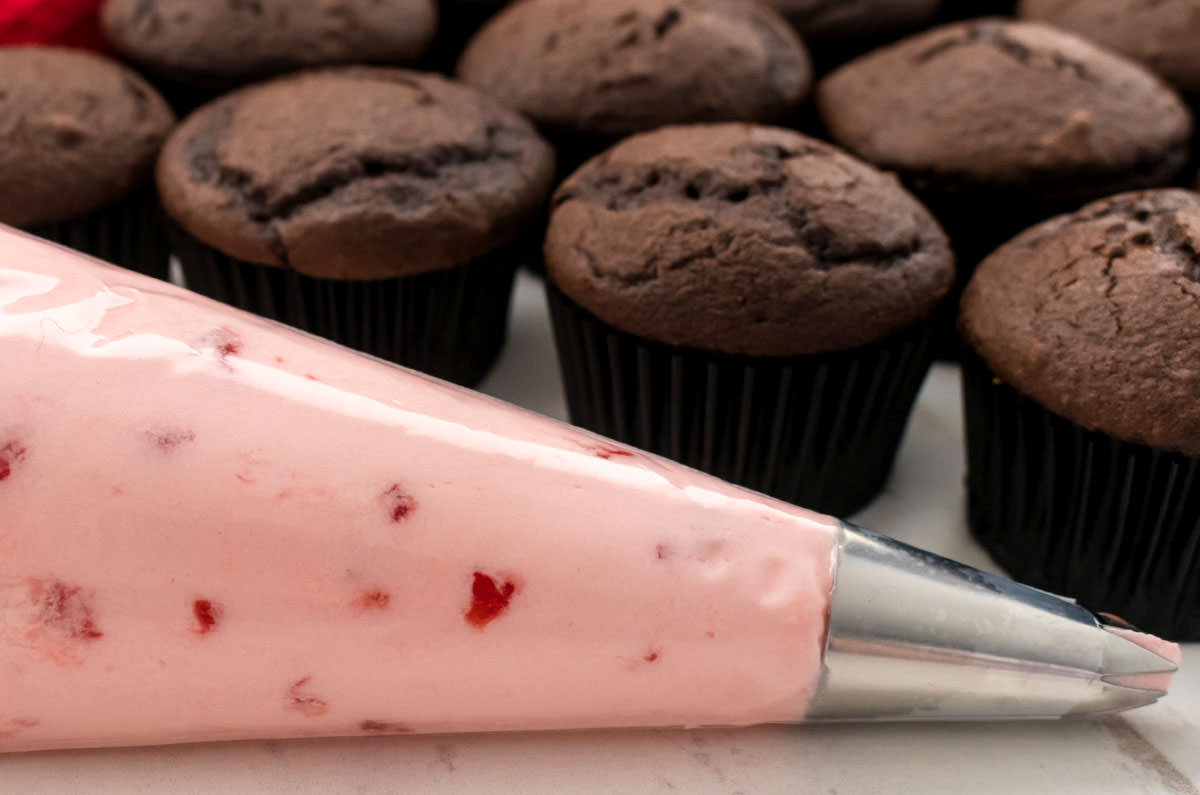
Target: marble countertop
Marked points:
1152	750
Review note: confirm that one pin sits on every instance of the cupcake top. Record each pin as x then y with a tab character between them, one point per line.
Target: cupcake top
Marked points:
355	173
622	66
1096	316
77	132
1162	34
212	44
1008	104
819	20
743	239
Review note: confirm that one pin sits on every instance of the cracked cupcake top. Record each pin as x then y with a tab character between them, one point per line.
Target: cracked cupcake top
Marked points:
355	173
1096	316
222	43
77	132
1008	103
743	239
614	67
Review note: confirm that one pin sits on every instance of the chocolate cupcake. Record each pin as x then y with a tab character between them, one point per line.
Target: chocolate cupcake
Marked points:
835	32
377	207
999	124
749	301
590	72
199	49
1162	34
78	138
1083	428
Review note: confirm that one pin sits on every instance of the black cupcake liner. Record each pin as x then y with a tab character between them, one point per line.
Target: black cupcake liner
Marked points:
1112	524
449	323
131	233
820	431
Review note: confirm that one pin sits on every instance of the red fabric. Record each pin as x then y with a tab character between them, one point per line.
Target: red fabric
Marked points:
74	23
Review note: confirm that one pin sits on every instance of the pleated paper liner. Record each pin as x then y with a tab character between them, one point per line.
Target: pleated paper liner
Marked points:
819	431
131	233
1076	512
449	323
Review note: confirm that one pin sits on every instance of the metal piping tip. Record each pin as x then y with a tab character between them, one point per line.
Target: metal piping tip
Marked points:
1125	662
915	636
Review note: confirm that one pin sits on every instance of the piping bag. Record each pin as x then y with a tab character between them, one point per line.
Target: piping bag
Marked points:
213	527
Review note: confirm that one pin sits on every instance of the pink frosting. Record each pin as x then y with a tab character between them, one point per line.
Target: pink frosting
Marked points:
215	527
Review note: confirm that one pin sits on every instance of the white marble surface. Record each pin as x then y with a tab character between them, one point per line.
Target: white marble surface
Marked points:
1152	750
